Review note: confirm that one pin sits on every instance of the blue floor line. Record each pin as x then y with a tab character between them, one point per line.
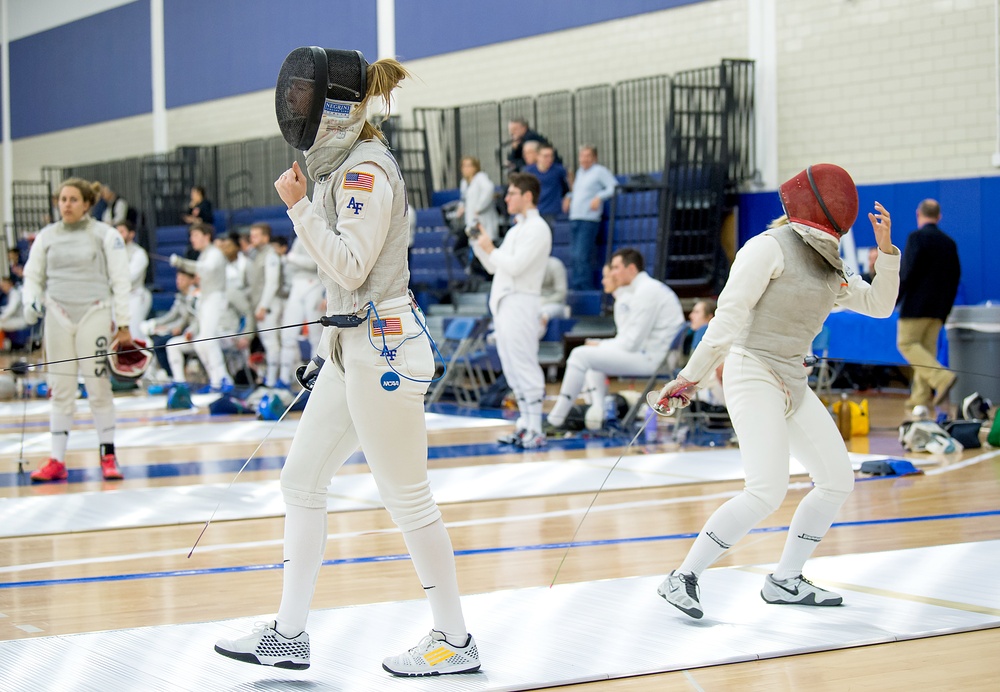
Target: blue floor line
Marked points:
474	551
197	468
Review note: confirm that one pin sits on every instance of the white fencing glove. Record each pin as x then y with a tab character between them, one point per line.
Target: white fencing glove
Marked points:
307	374
175	260
33	313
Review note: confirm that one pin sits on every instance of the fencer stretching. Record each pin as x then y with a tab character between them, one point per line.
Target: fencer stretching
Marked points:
370	390
781	289
78	270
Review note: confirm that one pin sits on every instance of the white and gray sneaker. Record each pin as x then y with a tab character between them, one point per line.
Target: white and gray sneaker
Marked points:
512	438
435	656
797	591
265	646
681	591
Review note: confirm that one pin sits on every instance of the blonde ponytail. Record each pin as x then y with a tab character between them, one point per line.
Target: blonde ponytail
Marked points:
383	76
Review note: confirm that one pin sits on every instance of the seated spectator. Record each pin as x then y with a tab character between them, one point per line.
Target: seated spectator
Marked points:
174	322
199	208
648	316
712	395
552	176
554	290
16	265
11	314
529	152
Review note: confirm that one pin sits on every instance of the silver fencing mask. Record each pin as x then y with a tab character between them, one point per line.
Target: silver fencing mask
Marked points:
314	82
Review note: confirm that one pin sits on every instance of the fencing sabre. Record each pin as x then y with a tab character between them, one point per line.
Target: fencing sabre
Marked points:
245	464
594	499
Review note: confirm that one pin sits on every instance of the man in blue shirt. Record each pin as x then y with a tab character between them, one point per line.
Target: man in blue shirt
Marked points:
592	185
552	177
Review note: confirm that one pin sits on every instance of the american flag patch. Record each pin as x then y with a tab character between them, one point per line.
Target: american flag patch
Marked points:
359	180
388	327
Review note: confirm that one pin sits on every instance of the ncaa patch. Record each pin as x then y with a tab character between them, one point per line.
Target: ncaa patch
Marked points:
362	181
390	381
387	327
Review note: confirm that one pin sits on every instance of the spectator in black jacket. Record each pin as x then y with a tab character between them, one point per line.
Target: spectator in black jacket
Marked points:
928	283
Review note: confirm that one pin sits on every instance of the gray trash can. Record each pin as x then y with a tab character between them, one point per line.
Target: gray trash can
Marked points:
974	351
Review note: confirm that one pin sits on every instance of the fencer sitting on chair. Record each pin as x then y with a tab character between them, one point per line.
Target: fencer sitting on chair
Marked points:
648	316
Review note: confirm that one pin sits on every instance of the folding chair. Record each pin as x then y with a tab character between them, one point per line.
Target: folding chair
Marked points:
464	354
824	374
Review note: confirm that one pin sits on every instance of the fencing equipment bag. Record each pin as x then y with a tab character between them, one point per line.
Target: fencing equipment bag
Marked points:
320	88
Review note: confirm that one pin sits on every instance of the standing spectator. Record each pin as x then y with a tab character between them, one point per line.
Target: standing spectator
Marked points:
199	208
552	177
520	133
140	300
77	274
478	205
648	315
529	153
116	210
518	267
928	283
783	285
592	185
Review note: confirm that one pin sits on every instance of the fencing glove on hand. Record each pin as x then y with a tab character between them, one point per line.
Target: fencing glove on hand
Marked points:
33	312
175	260
674	395
307	374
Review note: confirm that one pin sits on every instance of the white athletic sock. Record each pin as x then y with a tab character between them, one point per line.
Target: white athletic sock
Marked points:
434	560
557	416
534	417
305	542
812	520
104	421
730	522
60	426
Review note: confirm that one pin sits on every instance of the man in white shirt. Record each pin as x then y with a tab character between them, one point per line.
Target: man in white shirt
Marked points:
267	298
518	267
648	315
140	300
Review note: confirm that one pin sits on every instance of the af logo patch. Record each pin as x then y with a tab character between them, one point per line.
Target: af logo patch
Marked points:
355	208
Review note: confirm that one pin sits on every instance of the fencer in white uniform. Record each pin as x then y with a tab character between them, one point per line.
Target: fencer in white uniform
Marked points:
518	267
782	286
304	305
267	299
210	268
12	314
140	300
77	275
648	315
370	390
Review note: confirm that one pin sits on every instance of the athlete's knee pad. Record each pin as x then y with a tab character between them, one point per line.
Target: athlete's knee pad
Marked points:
411	506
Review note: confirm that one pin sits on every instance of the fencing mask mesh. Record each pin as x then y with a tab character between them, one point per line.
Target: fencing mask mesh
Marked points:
313	81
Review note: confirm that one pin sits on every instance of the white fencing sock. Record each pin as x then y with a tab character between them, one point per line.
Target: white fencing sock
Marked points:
812	520
60	426
305	542
730	522
434	560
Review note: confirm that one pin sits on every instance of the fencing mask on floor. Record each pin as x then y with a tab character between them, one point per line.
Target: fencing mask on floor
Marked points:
317	85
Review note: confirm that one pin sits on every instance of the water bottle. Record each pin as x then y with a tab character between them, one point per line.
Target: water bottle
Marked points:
844	418
610	411
650	432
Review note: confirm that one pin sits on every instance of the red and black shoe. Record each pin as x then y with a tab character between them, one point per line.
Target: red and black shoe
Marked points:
52	470
109	467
